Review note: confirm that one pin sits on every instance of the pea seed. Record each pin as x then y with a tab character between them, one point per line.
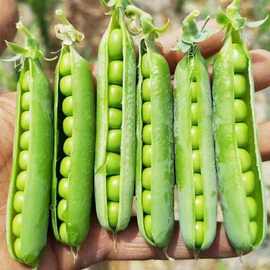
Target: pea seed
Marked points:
114	140
245	159
241	132
146	89
115	118
199	207
146	178
65	64
239	58
25	103
194	113
240	85
25	120
252	208
18	247
25	85
68	147
18	201
253	230
67	106
23	159
113	209
197	178
195	89
146	112
147	134
115	45
146	201
24	140
249	181
68	125
113	163
147	221
115	96
145	66
63	188
65	166
196	158
195	137
147	155
17	225
62	210
116	72
240	110
113	187
21	180
66	85
199	233
63	232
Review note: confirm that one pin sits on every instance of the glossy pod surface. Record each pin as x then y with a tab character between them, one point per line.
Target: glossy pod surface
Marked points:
74	134
115	139
28	201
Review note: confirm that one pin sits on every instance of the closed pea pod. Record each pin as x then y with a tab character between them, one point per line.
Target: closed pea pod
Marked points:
28	200
237	154
74	135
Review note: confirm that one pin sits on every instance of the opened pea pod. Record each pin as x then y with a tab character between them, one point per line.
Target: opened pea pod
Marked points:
237	154
74	136
115	138
29	192
194	142
154	160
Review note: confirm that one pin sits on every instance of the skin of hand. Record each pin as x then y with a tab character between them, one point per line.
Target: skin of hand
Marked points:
127	245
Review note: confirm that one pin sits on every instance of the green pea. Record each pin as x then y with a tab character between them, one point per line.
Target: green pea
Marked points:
65	166
68	125
199	207
242	134
115	118
26	101
198	183
68	146
240	85
146	90
25	120
17	225
147	221
18	247
195	90
196	158
145	66
249	181
18	201
113	209
113	163
240	110
23	159
67	106
114	140
147	155
63	232
194	113
62	210
195	137
146	201
21	180
239	59
65	64
115	45
113	186
115	96
66	85
245	159
63	188
199	233
146	178
24	140
146	112
253	228
26	80
147	134
252	207
116	72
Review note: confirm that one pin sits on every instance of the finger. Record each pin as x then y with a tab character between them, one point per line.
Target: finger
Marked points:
264	131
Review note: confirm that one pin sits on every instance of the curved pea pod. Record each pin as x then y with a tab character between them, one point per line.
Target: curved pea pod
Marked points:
116	70
154	179
73	162
196	180
237	155
29	193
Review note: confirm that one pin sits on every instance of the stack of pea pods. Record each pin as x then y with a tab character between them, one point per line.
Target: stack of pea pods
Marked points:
136	135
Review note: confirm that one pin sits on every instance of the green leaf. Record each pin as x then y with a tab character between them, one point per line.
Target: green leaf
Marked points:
256	24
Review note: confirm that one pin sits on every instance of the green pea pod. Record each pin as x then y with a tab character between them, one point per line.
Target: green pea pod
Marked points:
115	155
194	146
29	193
74	135
237	154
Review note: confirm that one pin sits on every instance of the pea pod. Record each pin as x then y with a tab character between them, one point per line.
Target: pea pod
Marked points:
194	143
154	163
237	154
29	192
74	135
115	138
